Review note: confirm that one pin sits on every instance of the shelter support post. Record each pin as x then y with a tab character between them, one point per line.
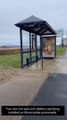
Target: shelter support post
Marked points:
41	46
36	46
30	46
21	48
55	48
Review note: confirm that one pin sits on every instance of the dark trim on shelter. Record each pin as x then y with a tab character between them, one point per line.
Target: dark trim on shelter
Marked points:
30	45
36	45
55	47
41	51
35	26
21	48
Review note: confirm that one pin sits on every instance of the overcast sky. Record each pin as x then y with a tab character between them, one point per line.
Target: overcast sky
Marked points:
13	11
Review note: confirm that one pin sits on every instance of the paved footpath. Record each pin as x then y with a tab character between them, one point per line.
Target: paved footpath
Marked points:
20	89
65	55
53	91
36	87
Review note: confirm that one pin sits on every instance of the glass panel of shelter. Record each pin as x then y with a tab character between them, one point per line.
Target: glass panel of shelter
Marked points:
35	48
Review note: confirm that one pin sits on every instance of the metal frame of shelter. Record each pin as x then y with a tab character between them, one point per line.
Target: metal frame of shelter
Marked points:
34	26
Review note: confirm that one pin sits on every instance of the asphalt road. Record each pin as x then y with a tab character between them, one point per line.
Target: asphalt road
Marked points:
52	93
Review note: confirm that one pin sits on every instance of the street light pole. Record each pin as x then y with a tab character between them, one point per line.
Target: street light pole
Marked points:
62	39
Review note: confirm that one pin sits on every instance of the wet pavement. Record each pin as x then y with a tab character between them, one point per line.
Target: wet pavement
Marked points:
65	55
20	89
32	86
53	92
54	66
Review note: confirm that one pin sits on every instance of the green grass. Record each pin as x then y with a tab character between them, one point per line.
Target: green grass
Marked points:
13	60
60	51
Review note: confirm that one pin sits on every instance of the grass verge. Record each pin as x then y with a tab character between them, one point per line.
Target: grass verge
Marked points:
13	60
60	51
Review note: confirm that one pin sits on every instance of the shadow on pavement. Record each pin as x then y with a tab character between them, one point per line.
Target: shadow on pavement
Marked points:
52	92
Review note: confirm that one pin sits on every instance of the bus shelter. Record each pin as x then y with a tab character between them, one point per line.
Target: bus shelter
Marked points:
42	40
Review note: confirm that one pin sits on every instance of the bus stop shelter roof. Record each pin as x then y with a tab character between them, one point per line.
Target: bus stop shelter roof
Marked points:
35	25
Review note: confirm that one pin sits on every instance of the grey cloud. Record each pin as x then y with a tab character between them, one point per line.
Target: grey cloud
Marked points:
12	11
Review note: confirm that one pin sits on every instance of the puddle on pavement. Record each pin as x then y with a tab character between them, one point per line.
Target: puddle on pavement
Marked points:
54	65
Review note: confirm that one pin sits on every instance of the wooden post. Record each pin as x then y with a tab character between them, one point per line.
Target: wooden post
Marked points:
21	48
